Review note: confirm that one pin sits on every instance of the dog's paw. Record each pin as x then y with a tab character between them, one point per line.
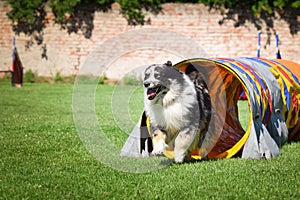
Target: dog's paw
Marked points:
145	154
159	148
181	157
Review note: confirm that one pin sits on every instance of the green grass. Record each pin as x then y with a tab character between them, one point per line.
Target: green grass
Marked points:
243	113
42	157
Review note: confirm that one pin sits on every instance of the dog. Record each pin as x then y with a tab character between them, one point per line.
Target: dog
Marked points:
178	105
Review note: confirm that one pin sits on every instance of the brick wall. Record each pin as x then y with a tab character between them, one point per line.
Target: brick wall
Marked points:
66	53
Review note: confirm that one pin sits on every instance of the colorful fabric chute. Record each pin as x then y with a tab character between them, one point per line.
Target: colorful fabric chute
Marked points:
272	90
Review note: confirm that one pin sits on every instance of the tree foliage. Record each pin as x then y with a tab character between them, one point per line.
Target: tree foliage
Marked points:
29	16
257	7
29	10
257	11
133	10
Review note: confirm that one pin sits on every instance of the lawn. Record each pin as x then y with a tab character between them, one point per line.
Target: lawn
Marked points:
43	157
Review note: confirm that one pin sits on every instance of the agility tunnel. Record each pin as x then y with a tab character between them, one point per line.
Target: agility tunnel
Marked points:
272	90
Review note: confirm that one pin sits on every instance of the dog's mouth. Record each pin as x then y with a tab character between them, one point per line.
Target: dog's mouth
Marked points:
154	91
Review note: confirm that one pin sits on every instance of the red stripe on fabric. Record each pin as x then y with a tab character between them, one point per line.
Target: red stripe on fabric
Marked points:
264	95
292	92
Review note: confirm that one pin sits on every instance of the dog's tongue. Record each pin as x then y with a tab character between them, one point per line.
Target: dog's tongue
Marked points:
151	93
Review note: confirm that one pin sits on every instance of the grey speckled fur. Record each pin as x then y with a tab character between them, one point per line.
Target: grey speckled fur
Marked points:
179	108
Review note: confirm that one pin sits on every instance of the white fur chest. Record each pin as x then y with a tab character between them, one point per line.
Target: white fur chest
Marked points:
169	118
171	111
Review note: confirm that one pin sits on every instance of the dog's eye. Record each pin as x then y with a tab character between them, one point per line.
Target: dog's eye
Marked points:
147	75
157	76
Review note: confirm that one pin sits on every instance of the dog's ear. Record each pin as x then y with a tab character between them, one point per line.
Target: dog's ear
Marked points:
169	63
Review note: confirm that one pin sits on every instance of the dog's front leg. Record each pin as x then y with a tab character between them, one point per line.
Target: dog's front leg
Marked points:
183	142
159	142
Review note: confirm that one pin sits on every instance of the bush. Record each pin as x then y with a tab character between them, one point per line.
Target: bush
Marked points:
58	78
5	76
30	76
102	80
131	80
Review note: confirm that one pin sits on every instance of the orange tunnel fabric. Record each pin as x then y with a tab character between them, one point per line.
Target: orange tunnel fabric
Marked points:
272	91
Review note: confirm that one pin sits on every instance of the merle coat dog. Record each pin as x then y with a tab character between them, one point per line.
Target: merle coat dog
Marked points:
179	107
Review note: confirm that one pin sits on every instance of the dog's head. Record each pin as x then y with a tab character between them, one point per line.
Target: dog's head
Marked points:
158	79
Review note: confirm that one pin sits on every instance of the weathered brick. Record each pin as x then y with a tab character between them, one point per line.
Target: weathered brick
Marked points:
66	52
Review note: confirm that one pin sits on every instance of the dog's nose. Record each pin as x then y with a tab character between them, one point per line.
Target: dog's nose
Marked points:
146	84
